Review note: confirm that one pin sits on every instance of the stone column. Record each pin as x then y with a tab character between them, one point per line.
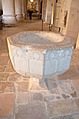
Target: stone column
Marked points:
53	9
0	4
24	8
18	9
8	12
37	5
49	12
57	11
70	21
44	5
73	20
64	15
47	18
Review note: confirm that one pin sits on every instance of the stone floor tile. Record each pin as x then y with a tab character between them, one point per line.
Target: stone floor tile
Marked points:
38	84
14	77
4	54
61	88
76	85
17	77
73	116
34	110
64	117
23	86
12	116
3	76
77	102
7	104
52	97
51	83
36	97
66	88
4	60
9	67
22	98
72	73
6	87
2	68
76	116
61	108
27	97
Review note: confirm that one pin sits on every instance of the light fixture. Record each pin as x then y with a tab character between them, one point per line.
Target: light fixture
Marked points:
31	0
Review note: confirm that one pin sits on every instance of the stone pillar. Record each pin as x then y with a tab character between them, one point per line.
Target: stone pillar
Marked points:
73	21
70	18
18	9
44	5
8	12
57	10
37	5
53	10
0	4
24	8
64	15
49	11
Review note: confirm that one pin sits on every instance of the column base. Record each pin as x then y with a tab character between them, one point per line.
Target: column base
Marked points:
19	17
9	20
24	15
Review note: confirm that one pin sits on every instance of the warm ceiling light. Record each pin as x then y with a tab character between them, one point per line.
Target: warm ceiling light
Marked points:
31	0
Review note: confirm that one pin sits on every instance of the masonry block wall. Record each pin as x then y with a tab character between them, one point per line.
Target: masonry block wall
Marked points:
73	21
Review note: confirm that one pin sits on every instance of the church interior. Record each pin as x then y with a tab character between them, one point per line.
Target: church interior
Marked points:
39	59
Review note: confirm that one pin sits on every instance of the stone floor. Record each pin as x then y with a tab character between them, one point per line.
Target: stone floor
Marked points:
30	98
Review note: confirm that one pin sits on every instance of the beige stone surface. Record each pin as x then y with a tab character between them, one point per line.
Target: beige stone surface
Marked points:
6	87
73	22
40	40
23	98
18	9
35	53
62	89
3	76
7	104
74	116
5	61
8	12
62	108
9	67
23	86
14	77
76	85
33	110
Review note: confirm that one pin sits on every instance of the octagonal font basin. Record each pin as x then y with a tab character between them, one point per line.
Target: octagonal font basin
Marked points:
40	54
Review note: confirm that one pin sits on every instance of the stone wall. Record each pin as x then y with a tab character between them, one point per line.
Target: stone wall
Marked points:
73	22
64	15
0	4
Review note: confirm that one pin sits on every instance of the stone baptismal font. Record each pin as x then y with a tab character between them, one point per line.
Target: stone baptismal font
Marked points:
40	54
